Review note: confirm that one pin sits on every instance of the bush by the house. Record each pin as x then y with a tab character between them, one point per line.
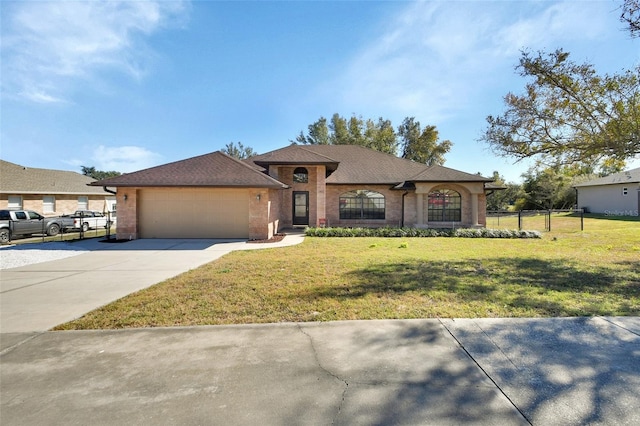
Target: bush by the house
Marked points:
421	232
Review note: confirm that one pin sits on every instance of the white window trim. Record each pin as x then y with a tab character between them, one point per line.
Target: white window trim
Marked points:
16	204
48	204
625	191
83	202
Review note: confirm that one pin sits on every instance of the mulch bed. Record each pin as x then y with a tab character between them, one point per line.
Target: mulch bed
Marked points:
274	239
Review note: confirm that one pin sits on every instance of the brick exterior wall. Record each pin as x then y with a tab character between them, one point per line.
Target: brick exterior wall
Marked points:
264	213
393	206
315	187
467	191
64	204
127	224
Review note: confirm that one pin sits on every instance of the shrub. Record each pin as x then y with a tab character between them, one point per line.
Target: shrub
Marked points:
420	232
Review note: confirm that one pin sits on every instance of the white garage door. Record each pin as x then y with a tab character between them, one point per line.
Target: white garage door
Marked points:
193	213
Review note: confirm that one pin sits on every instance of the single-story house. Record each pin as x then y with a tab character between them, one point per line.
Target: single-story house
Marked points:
614	195
217	196
50	192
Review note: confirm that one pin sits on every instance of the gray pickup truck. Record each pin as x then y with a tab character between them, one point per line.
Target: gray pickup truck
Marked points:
27	222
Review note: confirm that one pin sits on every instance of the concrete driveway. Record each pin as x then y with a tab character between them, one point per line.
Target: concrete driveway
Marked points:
38	297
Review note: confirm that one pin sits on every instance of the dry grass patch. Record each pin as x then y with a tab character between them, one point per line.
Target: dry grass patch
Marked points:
595	272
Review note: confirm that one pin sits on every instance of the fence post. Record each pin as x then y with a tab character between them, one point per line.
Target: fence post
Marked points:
549	227
582	219
519	220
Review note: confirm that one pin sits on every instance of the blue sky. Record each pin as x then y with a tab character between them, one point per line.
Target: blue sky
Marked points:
128	85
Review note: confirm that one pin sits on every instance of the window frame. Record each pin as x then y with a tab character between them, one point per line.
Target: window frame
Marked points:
83	205
48	204
448	210
300	175
16	204
362	204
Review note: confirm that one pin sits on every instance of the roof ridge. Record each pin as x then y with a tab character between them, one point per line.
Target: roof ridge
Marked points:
252	169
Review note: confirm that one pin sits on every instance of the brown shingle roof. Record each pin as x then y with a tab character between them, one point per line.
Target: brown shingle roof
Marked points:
216	169
293	154
16	179
356	164
438	173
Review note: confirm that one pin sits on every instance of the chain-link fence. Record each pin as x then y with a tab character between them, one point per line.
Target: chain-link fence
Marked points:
537	220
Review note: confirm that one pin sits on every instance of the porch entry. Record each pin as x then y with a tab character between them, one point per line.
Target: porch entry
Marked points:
300	208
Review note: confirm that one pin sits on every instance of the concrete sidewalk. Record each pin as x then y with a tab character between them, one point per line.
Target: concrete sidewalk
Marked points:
570	371
40	296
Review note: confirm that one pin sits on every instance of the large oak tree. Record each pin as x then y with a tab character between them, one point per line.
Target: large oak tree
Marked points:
568	113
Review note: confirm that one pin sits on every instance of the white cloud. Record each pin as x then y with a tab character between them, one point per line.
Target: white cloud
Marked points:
435	57
46	46
124	159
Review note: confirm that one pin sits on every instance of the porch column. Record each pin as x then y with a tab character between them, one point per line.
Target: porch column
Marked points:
474	209
419	209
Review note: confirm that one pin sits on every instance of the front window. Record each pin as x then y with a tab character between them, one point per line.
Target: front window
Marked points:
15	202
83	203
48	204
362	204
445	205
300	175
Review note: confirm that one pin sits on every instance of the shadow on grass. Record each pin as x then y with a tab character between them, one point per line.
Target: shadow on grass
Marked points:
547	287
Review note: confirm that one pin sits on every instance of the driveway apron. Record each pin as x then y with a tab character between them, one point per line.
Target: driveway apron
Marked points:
40	296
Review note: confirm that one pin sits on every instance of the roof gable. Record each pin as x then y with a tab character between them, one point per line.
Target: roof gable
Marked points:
630	176
355	164
293	154
18	179
216	169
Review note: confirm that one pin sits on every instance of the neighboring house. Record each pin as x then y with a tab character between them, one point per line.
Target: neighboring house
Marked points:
217	196
50	192
613	195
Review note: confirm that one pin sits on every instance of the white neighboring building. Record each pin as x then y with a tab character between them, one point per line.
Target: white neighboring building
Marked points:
613	195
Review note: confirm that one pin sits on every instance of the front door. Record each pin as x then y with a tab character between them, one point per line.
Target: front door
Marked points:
301	208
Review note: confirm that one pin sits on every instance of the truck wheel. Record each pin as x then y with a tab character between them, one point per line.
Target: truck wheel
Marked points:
54	229
85	227
5	235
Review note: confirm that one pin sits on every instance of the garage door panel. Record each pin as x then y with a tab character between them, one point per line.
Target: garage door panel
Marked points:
193	213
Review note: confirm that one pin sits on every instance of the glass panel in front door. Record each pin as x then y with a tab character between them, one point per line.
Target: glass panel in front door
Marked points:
301	208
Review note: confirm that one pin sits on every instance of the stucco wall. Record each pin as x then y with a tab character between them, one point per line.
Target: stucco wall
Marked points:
609	199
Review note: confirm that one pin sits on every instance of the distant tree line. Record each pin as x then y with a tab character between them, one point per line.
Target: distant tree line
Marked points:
410	140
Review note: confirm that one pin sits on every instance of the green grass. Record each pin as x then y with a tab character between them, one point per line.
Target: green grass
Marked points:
566	273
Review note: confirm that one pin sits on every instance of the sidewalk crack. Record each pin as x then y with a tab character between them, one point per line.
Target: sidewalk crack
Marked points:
328	372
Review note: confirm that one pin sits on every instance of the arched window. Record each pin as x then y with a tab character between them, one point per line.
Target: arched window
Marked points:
361	204
300	175
445	205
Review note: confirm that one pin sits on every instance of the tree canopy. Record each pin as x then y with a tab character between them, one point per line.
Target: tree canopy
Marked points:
568	113
415	143
98	174
630	16
239	151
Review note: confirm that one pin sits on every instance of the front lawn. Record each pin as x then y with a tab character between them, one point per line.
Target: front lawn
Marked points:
595	272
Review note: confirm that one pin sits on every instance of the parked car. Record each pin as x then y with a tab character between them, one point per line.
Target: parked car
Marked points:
28	222
90	219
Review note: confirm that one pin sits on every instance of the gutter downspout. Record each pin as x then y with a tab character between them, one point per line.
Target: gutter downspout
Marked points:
109	191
